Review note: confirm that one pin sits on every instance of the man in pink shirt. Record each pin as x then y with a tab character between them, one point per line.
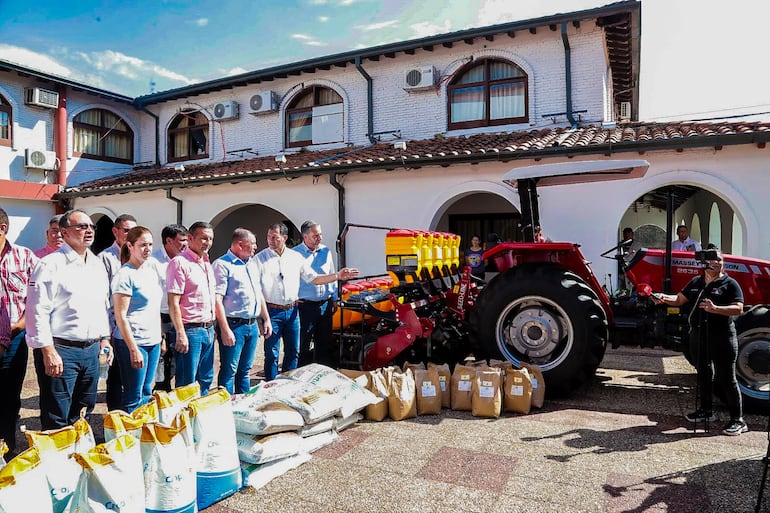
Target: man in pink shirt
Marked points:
193	308
53	238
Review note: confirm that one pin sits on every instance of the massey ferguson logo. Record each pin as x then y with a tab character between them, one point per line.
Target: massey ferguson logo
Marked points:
461	295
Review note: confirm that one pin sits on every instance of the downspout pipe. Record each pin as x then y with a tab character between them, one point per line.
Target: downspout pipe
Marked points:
157	135
340	213
568	73
179	204
60	137
369	101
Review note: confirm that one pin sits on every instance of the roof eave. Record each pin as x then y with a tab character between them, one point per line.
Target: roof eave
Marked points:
445	161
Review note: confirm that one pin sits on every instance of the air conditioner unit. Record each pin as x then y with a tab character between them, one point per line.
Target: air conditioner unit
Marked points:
264	102
41	97
420	78
40	159
226	110
625	111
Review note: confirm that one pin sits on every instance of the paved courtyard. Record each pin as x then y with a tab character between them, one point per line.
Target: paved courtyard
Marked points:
621	445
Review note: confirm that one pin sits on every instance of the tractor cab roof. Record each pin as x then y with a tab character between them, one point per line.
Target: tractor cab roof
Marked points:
565	173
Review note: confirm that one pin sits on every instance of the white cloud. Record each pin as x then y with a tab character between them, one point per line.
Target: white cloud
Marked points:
132	67
377	26
307	40
323	19
424	29
202	22
34	60
235	71
318	2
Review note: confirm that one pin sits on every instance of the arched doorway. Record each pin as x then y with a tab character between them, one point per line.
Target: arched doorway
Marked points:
103	238
481	214
710	217
253	217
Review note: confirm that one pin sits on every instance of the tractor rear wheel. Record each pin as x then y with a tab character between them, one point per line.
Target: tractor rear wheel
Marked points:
753	365
546	315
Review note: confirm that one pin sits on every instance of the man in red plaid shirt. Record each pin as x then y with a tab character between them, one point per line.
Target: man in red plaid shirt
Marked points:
16	265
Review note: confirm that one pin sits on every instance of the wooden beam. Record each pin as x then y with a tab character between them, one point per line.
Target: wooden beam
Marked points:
428	48
576	23
468	41
552	27
533	30
490	37
511	34
410	51
448	44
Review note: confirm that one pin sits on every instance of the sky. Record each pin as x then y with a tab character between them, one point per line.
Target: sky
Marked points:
700	59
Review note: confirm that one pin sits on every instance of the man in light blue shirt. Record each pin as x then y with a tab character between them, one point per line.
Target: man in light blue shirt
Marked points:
316	302
239	289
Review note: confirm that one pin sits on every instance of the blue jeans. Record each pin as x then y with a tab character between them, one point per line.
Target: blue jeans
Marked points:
235	361
137	383
62	398
197	364
13	369
285	324
315	319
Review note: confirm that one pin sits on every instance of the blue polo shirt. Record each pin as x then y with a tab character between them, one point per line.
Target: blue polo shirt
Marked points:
237	283
321	262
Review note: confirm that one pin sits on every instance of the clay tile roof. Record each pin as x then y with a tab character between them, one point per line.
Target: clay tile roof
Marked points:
441	150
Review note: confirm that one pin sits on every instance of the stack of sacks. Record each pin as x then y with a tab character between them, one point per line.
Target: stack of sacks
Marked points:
171	403
23	485
119	422
56	448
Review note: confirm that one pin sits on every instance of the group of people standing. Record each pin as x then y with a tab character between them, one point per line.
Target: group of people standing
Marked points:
143	308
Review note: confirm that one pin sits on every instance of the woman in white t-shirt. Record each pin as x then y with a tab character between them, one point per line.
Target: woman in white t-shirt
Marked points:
136	296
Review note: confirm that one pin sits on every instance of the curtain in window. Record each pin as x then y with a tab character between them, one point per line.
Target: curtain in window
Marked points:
89	117
87	140
328	97
117	146
506	101
4	129
500	70
468	104
179	144
472	75
300	126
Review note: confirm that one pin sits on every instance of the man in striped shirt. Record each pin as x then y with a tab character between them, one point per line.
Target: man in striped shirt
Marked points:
16	265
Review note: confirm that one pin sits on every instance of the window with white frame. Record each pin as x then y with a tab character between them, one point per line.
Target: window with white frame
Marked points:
188	137
5	122
314	116
102	135
487	92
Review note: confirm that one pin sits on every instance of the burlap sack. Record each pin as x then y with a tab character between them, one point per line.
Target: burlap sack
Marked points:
487	400
478	364
538	384
413	366
462	387
444	379
402	401
428	391
499	364
518	391
378	385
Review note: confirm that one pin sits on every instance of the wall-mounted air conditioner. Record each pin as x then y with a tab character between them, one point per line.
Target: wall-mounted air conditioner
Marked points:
420	78
226	110
264	102
39	159
625	111
40	97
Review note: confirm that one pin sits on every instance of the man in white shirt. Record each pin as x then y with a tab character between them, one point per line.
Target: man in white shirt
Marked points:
174	237
67	323
110	257
683	241
280	274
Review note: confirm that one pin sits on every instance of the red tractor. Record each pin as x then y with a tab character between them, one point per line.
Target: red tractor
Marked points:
547	307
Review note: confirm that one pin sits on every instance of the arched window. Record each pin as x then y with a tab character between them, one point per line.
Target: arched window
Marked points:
314	116
488	92
5	122
188	137
103	135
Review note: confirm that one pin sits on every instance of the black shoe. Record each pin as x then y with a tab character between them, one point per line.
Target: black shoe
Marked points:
700	416
735	428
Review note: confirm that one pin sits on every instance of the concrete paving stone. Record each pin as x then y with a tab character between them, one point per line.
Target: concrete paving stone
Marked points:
625	493
516	504
349	439
473	469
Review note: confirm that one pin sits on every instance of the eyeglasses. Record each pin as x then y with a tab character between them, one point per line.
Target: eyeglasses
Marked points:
82	226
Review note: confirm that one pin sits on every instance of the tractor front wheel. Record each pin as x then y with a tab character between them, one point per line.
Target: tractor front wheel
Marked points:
546	315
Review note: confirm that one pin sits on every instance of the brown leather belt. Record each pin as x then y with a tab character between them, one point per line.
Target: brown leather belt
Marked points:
205	325
82	344
281	307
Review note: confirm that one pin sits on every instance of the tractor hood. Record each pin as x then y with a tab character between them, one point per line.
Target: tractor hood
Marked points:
565	173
